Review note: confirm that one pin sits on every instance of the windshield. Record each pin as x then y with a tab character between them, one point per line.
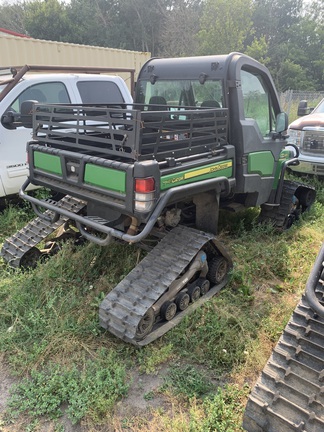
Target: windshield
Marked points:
181	92
320	107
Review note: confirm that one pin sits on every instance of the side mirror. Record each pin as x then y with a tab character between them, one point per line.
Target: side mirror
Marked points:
26	113
281	122
303	109
8	119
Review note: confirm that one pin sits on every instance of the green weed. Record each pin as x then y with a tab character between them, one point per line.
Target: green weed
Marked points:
152	357
207	335
14	217
91	391
222	411
188	381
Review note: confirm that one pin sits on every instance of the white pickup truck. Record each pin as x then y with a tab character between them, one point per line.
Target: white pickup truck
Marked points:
52	84
307	133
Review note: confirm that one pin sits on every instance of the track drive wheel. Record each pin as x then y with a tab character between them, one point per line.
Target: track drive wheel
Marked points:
218	269
30	258
145	325
306	197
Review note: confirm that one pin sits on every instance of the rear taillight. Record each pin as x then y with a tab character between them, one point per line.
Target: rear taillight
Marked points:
144	194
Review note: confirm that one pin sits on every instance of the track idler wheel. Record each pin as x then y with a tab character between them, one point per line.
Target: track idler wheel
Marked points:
204	285
168	310
218	269
145	325
194	292
182	301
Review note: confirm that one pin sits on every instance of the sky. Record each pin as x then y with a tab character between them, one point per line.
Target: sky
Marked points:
3	2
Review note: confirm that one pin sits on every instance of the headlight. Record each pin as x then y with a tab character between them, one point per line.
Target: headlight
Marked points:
294	136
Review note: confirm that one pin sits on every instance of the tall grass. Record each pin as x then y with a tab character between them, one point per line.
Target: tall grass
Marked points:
65	364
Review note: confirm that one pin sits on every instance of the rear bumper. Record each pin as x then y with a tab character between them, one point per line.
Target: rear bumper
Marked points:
220	184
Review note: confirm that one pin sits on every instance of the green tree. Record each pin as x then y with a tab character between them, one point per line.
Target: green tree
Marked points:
12	17
126	24
140	24
224	26
274	18
310	36
294	76
181	25
290	42
259	50
93	23
47	20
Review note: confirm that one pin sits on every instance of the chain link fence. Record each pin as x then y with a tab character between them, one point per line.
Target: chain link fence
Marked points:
290	99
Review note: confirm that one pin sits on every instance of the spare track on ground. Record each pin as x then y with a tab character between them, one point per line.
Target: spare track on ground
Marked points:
123	308
289	394
16	248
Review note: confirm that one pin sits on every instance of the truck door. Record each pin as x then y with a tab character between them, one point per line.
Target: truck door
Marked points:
254	108
13	137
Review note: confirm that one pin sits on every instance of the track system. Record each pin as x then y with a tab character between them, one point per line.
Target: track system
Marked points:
289	394
295	199
20	249
172	280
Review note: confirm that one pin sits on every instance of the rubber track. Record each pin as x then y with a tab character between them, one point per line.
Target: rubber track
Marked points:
289	394
278	214
16	246
122	309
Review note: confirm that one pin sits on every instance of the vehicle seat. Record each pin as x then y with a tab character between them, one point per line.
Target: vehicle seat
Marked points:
157	103
210	104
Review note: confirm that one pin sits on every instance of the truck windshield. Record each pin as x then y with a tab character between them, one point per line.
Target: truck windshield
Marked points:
320	107
189	93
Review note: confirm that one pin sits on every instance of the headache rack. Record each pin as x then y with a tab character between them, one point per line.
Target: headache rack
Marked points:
131	132
17	73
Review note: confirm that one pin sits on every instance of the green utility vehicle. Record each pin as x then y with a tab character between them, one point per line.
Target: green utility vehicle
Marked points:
204	133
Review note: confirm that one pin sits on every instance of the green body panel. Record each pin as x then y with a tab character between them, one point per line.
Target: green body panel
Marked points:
47	162
224	168
261	163
284	156
106	178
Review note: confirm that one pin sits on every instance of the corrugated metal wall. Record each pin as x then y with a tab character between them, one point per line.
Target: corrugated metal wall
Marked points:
16	51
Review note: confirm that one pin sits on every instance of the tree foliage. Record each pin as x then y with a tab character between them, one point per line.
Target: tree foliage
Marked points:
287	36
48	18
181	25
224	26
12	17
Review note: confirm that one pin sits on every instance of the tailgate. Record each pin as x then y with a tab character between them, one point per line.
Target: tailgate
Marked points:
90	178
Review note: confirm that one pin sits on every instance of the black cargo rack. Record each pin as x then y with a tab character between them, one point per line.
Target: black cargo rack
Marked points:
131	132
